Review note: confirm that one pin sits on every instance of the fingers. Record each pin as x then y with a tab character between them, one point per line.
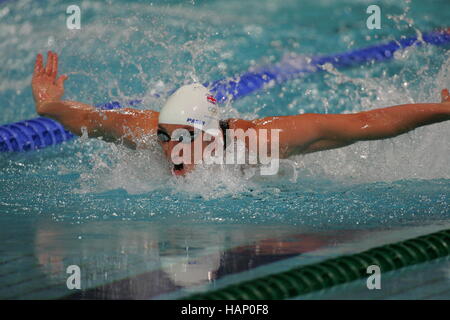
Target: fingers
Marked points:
445	95
61	79
54	65
49	66
50	69
38	65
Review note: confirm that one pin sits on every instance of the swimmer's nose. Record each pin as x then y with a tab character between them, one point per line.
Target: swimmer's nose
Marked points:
168	147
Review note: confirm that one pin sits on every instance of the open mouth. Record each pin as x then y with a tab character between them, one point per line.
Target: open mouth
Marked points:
178	167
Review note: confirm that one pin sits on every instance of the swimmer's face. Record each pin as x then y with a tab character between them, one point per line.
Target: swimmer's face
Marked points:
169	138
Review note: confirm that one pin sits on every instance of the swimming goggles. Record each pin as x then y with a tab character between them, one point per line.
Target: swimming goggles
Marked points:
183	138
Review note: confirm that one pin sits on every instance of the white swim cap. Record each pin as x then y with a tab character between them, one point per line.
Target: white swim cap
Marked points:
191	105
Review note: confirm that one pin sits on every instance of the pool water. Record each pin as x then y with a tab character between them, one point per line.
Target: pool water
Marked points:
118	213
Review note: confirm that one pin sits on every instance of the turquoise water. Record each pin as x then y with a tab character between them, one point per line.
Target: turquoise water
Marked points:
133	49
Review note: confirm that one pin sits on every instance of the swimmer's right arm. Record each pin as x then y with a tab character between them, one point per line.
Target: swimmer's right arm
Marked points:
124	125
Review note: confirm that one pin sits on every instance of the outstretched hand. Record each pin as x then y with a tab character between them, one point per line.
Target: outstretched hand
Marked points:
45	85
445	96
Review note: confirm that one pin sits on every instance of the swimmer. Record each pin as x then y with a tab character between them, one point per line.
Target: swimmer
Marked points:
193	107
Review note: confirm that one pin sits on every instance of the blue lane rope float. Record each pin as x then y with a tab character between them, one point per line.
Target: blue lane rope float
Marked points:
344	269
249	82
42	132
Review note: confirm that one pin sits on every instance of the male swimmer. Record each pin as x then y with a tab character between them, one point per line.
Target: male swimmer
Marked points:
193	108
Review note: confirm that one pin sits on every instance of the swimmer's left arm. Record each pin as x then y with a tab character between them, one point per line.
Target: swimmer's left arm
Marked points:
308	133
345	129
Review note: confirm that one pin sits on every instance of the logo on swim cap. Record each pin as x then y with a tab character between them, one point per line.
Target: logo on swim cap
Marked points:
195	121
191	105
211	99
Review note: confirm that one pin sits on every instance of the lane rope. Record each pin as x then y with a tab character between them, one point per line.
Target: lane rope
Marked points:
329	273
42	132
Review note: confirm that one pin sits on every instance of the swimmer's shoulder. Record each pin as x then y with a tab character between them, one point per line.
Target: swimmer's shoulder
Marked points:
137	120
239	124
254	124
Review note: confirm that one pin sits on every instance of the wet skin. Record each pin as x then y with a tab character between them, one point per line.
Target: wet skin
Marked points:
167	130
299	134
